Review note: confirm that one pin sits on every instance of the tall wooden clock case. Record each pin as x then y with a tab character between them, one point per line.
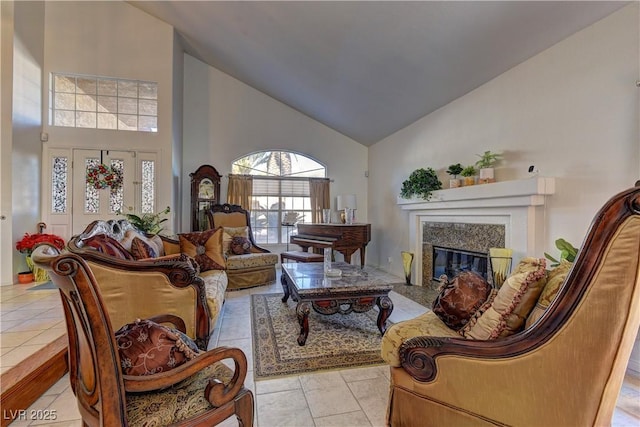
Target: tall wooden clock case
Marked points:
205	192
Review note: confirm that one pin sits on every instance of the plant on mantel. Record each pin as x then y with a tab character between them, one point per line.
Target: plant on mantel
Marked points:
469	174
421	183
486	165
454	171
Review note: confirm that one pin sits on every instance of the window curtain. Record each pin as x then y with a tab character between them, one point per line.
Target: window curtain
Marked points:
319	195
240	190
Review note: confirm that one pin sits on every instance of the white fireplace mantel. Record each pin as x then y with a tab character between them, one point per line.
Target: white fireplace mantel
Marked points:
519	205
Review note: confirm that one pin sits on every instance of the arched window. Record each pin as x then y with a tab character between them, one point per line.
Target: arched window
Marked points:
280	191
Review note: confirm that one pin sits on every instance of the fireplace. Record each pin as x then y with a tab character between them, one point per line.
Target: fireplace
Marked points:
457	246
507	214
451	262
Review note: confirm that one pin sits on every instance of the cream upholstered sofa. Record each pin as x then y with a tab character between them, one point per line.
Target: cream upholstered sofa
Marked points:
142	276
565	368
252	266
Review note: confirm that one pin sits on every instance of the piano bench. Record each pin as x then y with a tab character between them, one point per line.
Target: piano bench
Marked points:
300	256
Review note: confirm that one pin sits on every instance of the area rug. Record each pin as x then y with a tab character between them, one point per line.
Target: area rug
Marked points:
336	341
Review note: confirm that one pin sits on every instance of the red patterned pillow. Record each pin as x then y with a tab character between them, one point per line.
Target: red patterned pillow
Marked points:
240	245
460	298
108	246
205	247
147	348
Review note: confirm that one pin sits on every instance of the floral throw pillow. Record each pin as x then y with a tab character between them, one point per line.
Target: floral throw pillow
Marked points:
148	348
460	298
240	245
205	247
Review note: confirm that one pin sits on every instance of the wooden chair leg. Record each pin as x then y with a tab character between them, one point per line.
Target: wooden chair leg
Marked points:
244	408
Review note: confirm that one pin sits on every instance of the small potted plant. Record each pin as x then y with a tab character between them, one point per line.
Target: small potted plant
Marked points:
149	223
421	183
454	171
469	174
486	165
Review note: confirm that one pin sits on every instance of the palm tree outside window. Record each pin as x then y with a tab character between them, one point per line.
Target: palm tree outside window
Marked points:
280	187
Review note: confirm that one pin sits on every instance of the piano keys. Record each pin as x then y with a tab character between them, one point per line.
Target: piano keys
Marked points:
344	238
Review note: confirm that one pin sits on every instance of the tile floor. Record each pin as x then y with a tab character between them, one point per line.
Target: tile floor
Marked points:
351	397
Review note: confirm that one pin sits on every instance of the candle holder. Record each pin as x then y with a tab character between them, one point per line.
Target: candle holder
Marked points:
500	264
407	260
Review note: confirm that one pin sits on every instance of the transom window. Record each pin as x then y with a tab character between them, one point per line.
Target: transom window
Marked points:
103	103
280	191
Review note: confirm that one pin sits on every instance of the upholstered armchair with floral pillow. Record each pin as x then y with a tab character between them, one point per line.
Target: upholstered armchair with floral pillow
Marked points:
141	276
548	348
247	264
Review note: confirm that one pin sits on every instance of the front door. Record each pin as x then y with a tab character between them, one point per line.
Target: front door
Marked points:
90	202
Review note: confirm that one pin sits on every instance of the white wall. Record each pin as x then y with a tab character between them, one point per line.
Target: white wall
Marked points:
6	141
572	110
114	39
28	56
225	119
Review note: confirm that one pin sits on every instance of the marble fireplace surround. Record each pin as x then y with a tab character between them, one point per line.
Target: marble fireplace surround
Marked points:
518	206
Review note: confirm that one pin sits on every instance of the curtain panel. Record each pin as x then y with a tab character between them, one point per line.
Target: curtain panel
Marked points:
320	197
240	190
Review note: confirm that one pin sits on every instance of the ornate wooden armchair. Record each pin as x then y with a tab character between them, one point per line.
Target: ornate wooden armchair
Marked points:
257	266
202	391
566	369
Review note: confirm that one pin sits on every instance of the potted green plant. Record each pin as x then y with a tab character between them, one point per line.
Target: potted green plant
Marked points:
421	183
454	170
486	165
149	223
567	252
469	174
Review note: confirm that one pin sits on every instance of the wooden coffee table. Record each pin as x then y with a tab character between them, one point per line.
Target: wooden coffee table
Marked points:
356	290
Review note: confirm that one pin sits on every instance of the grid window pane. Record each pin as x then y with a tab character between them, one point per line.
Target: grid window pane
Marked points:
107	87
107	104
107	121
127	122
85	120
148	107
127	88
148	123
127	106
85	103
64	84
148	90
132	104
86	85
65	101
65	118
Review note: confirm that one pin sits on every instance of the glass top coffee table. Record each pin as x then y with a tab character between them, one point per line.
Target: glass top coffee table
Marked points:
355	290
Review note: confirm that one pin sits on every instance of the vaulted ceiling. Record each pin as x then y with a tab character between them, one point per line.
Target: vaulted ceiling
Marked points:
368	69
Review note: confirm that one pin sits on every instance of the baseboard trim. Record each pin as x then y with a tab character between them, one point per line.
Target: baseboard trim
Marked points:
25	383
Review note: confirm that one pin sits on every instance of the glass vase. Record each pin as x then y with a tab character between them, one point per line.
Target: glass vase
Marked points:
407	260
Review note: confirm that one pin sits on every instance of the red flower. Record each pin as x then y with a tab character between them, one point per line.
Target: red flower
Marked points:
29	242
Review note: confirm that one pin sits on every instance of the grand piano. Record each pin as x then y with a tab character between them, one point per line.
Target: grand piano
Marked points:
344	238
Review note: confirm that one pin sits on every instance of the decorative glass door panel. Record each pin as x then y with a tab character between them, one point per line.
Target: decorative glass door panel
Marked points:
103	185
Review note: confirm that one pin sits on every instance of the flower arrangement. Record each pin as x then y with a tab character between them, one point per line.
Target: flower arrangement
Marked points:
102	176
30	241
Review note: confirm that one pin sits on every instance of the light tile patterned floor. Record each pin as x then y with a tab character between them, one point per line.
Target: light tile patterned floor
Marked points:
351	397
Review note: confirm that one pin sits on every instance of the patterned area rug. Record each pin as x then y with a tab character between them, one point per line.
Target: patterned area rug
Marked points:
335	342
